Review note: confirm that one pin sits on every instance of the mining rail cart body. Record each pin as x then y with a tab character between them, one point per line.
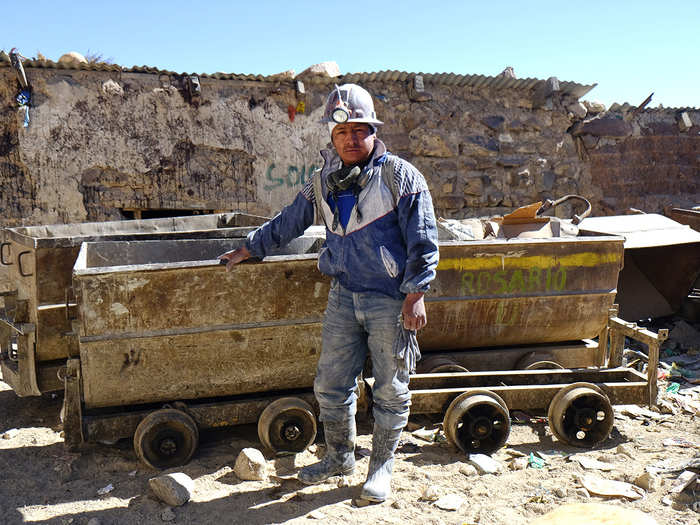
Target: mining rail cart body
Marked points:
170	343
36	263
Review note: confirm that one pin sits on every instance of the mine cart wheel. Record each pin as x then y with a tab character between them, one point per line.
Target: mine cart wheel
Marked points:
544	365
438	364
537	361
287	425
581	415
477	422
166	438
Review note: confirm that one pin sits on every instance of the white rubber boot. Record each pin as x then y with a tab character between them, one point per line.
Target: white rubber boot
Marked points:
381	464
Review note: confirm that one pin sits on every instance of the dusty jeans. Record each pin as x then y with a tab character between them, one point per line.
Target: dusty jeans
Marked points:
354	324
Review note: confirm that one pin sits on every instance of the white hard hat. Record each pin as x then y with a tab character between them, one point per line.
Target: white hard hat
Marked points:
350	103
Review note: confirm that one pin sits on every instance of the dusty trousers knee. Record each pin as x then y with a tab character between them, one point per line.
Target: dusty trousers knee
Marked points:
381	464
340	453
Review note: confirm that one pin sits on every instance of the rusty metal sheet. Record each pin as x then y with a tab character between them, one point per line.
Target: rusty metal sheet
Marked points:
37	263
521	291
643	230
661	262
137	370
689	217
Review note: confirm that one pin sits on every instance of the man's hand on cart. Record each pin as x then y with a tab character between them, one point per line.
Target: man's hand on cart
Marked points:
232	258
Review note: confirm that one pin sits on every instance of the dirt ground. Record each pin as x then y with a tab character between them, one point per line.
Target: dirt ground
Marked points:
42	483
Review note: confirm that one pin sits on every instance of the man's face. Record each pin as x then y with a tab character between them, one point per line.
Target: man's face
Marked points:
353	141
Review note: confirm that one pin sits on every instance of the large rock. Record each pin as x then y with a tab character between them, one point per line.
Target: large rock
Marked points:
250	465
173	489
328	69
72	58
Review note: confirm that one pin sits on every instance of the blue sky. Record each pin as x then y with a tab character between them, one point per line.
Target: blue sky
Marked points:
629	48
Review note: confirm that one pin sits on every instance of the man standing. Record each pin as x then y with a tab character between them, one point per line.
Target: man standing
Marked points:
381	252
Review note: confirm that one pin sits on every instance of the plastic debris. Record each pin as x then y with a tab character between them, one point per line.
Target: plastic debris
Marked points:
23	99
536	462
607	487
673	388
105	490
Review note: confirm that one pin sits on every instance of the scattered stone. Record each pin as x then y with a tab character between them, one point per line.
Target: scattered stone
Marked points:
430	493
648	481
685	479
450	502
424	434
396	504
485	464
611	488
625	450
468	470
167	515
519	463
560	492
250	465
173	489
359	502
316	515
514	453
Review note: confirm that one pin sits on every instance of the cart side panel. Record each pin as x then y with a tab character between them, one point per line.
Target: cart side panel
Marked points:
514	321
133	300
521	292
199	365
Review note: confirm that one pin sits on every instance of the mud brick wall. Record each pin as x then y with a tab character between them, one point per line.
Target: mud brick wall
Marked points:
103	141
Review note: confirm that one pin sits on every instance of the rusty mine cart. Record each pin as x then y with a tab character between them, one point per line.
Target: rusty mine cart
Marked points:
168	343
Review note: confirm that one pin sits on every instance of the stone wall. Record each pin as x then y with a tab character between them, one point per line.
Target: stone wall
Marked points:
104	142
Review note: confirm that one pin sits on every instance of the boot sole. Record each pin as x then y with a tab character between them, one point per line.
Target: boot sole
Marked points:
373	499
347	472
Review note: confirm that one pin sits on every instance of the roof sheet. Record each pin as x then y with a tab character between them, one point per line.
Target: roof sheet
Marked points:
446	79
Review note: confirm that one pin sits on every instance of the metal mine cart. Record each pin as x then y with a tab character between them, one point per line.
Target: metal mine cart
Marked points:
35	266
170	343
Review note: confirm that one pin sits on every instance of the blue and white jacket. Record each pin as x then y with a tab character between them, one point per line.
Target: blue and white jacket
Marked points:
390	248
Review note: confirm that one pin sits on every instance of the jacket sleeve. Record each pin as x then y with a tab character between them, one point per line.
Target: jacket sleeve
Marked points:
286	226
419	229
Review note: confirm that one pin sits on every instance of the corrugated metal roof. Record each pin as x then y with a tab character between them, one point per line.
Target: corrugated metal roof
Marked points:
445	79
